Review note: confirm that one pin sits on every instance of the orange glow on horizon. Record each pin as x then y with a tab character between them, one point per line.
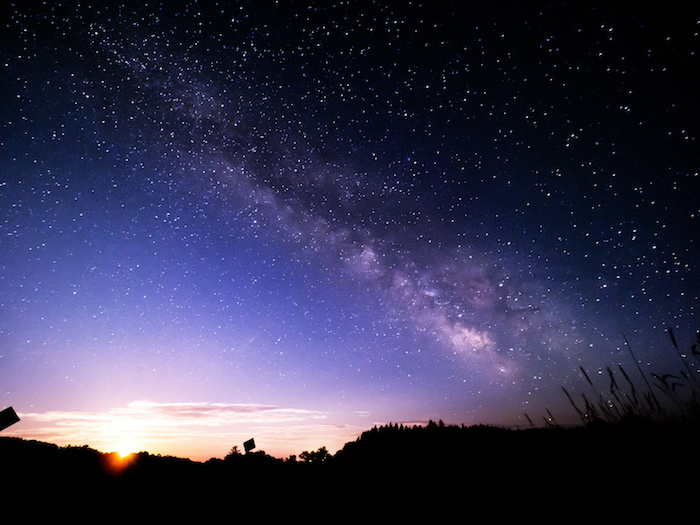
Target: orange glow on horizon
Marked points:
125	447
195	430
116	463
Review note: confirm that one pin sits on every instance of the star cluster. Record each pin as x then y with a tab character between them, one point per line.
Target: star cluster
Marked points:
411	209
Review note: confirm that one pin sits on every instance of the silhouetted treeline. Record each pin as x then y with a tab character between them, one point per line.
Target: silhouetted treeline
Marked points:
487	451
392	463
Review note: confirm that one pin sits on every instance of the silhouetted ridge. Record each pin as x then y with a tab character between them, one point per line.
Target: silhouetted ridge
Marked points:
392	463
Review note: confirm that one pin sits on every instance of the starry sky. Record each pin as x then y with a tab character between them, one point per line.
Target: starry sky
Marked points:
293	220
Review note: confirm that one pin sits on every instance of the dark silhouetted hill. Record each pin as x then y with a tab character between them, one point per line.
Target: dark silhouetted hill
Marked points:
388	467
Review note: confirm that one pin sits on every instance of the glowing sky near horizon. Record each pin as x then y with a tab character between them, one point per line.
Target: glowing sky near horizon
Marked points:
295	220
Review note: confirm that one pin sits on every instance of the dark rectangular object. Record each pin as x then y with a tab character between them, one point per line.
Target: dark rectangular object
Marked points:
249	445
8	417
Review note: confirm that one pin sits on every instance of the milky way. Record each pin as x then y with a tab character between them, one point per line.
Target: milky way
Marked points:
441	207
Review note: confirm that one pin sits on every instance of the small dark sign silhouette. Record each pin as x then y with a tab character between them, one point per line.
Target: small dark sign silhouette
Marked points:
249	445
8	417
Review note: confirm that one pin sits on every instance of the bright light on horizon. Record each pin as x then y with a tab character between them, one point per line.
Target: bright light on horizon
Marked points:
197	431
125	448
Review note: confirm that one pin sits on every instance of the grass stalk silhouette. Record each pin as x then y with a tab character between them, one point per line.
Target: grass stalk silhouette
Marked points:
652	398
668	398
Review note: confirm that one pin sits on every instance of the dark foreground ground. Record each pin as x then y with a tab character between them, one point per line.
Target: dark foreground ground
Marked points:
463	473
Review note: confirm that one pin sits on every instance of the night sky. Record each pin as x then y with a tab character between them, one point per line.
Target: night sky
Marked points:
296	220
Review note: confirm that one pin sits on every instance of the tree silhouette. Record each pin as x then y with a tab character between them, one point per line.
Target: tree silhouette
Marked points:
318	456
234	452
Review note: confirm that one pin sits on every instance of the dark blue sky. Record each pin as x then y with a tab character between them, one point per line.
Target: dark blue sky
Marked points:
359	211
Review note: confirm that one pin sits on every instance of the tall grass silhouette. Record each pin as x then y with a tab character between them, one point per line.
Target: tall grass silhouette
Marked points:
663	398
